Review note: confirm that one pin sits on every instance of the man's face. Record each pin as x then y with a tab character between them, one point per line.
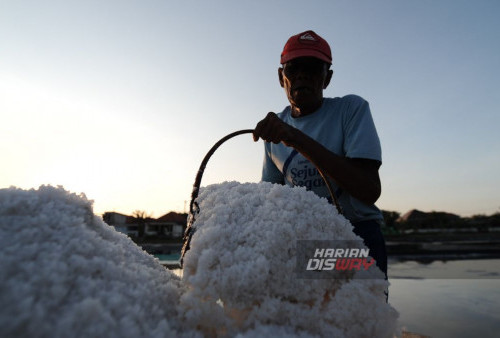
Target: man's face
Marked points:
304	80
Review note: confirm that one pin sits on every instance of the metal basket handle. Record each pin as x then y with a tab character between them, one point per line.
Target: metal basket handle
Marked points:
193	205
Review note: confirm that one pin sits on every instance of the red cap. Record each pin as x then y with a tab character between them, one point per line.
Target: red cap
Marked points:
306	43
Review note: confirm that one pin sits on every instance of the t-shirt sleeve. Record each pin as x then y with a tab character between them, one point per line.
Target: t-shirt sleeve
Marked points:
360	139
270	173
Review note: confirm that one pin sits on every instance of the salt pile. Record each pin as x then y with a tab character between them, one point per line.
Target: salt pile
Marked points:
64	272
243	256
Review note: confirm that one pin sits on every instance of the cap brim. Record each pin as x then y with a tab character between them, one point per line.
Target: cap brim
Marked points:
305	53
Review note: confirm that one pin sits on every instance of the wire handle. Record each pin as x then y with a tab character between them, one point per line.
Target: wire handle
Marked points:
193	205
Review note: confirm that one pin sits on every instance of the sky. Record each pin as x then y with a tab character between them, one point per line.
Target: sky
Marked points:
121	100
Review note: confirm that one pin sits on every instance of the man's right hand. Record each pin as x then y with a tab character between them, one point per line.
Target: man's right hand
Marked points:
273	129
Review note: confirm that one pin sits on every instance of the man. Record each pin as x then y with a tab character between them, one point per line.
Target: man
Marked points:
336	135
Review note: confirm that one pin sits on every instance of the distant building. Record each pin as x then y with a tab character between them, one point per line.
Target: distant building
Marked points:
171	225
122	223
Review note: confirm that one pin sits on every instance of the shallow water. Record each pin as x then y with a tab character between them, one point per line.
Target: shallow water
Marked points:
447	307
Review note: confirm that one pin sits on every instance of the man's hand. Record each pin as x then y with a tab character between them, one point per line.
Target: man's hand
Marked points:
273	129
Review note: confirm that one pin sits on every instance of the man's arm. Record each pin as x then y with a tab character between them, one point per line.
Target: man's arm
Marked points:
357	176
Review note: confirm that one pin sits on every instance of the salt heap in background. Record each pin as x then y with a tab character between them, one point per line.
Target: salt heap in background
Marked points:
243	256
65	273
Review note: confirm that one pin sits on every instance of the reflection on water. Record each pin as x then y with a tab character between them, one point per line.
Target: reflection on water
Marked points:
446	307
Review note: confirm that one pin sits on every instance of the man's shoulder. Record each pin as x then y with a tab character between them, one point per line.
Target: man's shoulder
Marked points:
350	99
346	107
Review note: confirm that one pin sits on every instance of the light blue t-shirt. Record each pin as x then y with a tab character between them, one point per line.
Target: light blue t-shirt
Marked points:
342	125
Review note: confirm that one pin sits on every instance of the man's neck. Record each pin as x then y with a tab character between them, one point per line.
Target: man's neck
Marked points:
304	111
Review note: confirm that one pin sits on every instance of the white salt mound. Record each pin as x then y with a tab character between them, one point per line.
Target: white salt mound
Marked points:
65	273
243	256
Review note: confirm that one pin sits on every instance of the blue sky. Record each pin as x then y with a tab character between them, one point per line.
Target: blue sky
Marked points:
122	99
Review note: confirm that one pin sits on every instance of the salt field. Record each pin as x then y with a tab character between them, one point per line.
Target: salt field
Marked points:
447	307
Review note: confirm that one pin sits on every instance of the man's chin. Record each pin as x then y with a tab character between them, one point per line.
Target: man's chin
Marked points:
302	101
306	106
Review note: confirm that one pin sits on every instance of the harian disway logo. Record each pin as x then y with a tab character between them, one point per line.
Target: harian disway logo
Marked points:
307	36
